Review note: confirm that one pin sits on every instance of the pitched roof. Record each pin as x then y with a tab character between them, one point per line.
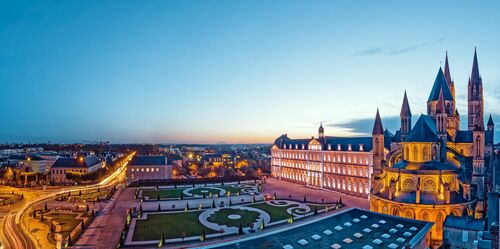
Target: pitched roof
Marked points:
490	121
440	85
463	137
447	73
465	223
65	162
475	77
405	108
147	160
423	131
378	128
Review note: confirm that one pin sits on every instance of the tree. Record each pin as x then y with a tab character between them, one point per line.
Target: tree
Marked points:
159	207
274	196
213	203
262	225
187	206
80	193
162	240
253	198
68	242
230	202
203	235
340	200
46	208
82	226
315	210
158	197
240	229
182	196
41	217
305	199
204	196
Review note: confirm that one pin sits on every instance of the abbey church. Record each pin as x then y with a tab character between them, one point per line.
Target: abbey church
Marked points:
433	169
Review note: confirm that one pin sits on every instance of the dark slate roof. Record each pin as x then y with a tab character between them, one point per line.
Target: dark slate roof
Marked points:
75	162
447	73
490	121
147	160
378	128
344	142
475	76
463	137
423	131
464	223
405	108
430	165
25	157
440	84
397	137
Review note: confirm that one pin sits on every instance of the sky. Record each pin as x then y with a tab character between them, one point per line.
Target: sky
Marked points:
232	71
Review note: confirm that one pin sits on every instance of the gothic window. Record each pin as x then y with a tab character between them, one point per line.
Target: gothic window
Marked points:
434	153
429	185
408	184
426	153
478	145
376	147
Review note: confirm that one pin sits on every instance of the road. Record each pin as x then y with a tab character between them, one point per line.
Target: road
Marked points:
14	233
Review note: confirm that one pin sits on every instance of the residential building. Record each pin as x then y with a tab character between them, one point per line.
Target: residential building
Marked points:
148	168
81	164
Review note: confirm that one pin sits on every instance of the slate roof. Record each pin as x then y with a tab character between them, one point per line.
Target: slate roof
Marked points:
25	157
147	160
429	165
405	108
378	128
490	121
344	142
463	137
440	85
423	131
75	162
464	223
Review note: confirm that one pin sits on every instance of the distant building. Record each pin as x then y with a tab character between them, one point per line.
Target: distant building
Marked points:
343	164
461	232
77	165
148	168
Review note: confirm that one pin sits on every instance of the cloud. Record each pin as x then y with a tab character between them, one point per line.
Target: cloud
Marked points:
365	126
387	50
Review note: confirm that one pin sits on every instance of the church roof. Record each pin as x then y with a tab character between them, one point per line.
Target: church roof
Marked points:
423	131
405	108
490	121
463	137
440	85
429	165
447	73
475	76
378	128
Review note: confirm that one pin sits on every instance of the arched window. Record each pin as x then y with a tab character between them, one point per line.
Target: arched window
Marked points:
434	153
376	147
415	153
478	145
429	185
426	153
408	184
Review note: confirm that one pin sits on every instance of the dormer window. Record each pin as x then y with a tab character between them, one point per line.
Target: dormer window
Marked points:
296	146
349	147
303	146
290	147
284	146
329	147
338	147
361	147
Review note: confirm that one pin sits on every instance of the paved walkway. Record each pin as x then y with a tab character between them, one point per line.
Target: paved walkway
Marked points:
104	232
285	189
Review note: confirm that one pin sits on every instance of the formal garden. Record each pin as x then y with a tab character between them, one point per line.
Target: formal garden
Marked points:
92	195
196	191
201	222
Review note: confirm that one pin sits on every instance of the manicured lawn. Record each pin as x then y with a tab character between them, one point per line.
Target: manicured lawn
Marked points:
172	224
276	213
164	193
221	217
68	222
230	188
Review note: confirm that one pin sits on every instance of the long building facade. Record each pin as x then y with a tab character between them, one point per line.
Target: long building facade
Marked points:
342	164
434	169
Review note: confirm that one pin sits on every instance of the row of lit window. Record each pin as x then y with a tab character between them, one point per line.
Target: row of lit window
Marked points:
333	183
336	169
318	147
63	171
145	169
326	157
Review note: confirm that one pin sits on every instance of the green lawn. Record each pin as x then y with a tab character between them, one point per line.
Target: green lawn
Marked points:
164	193
172	224
276	213
68	222
221	217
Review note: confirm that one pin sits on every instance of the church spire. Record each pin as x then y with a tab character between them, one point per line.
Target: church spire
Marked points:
378	128
447	75
405	108
475	77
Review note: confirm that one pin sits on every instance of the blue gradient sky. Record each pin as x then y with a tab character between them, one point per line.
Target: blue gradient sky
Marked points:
231	71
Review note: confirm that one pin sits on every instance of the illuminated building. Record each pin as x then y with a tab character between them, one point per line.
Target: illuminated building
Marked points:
434	169
82	165
342	164
148	168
